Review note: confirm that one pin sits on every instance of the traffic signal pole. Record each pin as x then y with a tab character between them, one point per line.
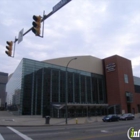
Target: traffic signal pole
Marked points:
14	48
55	9
58	6
44	18
43	26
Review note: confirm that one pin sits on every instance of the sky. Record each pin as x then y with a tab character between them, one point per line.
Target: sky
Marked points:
100	28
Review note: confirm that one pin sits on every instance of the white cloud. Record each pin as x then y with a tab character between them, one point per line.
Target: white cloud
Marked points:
82	27
38	55
136	61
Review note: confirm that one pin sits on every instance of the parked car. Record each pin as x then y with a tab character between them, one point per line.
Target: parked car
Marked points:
127	116
109	118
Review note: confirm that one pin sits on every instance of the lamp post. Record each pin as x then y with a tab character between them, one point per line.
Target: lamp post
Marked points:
66	92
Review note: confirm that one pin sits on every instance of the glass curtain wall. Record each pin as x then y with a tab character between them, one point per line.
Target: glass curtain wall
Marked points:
14	89
43	85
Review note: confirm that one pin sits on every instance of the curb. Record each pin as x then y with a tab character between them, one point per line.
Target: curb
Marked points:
45	125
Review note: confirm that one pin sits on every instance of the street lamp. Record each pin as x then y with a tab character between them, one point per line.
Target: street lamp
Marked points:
66	94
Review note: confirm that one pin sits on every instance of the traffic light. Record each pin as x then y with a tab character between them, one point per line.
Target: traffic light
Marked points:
36	25
9	48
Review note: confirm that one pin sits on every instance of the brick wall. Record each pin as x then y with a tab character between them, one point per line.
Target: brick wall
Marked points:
114	69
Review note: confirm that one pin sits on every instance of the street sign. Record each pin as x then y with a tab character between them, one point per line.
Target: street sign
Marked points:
60	5
20	36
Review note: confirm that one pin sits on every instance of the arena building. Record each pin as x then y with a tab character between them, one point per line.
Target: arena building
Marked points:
74	86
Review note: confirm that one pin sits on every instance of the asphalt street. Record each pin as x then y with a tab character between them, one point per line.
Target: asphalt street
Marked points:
96	131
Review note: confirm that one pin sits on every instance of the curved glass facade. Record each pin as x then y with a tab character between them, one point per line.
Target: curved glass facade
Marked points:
14	89
35	88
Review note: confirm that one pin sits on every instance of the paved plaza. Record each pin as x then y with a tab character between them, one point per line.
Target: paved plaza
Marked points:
8	119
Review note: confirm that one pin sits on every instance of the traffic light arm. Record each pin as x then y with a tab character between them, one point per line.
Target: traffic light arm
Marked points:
44	18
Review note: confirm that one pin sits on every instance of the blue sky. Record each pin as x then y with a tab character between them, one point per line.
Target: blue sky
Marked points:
100	28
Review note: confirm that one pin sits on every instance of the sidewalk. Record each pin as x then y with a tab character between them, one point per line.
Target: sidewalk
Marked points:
8	119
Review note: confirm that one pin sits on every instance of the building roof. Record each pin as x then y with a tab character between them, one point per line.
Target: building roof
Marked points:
86	63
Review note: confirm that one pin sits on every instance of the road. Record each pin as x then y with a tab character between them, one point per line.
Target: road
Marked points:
93	131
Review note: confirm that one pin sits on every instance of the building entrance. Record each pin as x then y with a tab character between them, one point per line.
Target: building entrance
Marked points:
129	107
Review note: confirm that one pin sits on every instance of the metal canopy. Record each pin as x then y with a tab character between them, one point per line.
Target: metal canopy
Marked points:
60	106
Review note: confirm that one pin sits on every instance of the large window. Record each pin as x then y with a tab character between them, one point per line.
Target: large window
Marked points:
83	91
70	87
55	85
137	84
62	86
137	88
88	88
77	88
125	78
